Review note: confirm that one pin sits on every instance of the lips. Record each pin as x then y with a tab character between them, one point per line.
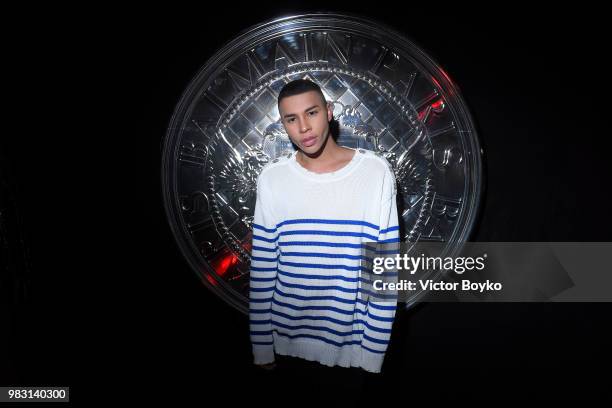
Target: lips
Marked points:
309	141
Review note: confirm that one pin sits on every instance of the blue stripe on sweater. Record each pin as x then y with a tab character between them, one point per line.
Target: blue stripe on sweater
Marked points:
313	287
344	255
259	258
372	350
303	276
373	340
331	233
317	328
322	266
379	296
394	228
325	255
381	307
335	288
329	308
341	300
383	241
260	300
256	268
326	340
294	296
264	343
260	238
325	318
324	221
261	227
369	245
331	277
322	232
255	279
258	248
261	289
334	298
260	332
326	308
259	321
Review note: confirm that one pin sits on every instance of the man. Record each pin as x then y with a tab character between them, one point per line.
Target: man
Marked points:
314	211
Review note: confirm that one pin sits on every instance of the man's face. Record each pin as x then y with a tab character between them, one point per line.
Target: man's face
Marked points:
306	119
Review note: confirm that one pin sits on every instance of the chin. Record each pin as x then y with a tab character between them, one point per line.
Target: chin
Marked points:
315	147
311	149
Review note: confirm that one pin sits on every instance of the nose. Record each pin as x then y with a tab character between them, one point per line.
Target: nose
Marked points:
304	126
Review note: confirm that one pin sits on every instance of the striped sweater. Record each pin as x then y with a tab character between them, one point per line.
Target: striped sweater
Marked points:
308	232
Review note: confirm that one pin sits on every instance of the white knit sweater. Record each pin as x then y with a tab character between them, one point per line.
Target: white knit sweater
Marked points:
308	231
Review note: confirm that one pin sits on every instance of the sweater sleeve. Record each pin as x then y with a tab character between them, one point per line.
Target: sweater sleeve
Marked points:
262	281
381	311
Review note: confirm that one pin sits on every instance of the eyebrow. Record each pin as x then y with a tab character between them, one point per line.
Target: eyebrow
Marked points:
305	110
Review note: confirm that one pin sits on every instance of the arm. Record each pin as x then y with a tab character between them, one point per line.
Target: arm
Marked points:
381	312
264	261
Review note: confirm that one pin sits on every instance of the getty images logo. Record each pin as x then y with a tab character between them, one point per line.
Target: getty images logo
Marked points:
427	263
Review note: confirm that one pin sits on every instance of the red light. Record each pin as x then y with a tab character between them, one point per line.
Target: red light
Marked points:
223	265
211	280
437	107
448	78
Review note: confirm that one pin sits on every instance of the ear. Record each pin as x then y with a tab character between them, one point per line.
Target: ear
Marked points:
330	111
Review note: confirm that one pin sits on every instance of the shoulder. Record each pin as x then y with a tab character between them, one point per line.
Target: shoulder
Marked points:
376	159
274	168
380	165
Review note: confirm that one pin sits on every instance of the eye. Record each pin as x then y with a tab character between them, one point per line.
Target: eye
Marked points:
312	113
290	120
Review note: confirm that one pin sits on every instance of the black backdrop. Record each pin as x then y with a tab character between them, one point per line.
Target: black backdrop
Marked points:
104	302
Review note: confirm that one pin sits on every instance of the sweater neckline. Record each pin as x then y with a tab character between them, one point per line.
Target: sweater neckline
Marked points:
330	175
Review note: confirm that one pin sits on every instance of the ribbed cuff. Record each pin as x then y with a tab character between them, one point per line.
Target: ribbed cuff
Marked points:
371	362
263	353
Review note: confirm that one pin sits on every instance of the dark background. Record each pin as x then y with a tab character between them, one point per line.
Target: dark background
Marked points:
96	295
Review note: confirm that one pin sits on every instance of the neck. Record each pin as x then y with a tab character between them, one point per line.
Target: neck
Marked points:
328	153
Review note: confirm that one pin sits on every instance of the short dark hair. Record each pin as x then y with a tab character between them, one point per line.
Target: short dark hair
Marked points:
299	86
